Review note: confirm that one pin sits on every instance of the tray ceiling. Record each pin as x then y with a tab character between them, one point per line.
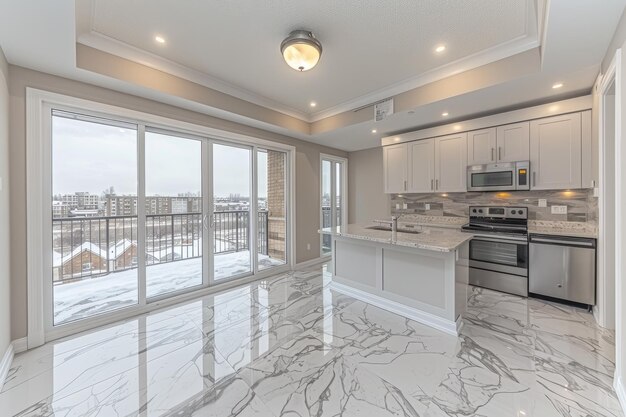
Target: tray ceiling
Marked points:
372	48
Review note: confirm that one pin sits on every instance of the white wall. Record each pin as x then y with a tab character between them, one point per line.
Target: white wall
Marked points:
366	198
620	270
5	290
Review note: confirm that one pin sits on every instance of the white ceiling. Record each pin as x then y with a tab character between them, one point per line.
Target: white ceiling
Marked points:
372	48
41	34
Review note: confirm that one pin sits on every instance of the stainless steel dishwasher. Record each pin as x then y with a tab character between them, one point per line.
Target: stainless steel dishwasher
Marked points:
563	267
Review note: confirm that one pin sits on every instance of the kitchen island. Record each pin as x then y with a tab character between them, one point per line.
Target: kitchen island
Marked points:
421	274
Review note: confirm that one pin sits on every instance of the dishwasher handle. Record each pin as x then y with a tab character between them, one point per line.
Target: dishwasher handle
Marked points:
564	241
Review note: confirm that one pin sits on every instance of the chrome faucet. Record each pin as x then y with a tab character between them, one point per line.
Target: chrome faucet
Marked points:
394	223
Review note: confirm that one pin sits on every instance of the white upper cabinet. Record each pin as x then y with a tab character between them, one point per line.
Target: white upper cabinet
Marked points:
451	163
421	166
395	168
481	146
555	152
513	143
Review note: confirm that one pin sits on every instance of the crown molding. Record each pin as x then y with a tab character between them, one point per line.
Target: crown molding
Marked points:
536	21
116	47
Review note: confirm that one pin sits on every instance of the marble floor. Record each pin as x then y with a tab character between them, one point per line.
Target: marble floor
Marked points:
292	346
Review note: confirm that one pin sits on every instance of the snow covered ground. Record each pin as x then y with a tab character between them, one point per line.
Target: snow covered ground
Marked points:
77	300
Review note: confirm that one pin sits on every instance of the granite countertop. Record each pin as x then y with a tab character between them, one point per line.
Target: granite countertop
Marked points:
574	229
448	222
430	238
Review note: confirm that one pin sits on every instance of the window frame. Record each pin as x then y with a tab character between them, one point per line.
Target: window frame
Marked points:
39	106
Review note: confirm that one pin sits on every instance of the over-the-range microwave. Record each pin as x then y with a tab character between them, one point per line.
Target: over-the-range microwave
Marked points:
503	176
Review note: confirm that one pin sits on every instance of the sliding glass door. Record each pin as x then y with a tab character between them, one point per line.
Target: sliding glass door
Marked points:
333	211
94	253
141	214
231	226
173	213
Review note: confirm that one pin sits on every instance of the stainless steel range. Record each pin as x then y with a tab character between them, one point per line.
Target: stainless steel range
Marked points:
499	250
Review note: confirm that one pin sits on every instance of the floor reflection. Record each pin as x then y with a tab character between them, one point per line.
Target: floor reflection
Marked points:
292	345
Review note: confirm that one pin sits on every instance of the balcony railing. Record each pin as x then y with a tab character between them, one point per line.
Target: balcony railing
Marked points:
95	246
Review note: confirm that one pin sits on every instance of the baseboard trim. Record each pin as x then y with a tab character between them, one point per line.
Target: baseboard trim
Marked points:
311	262
620	390
439	323
20	345
5	365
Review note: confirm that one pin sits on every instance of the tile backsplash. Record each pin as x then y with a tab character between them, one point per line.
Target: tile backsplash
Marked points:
582	206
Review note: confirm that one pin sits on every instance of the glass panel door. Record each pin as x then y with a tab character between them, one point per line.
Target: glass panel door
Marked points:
232	192
94	216
327	217
333	196
271	227
173	203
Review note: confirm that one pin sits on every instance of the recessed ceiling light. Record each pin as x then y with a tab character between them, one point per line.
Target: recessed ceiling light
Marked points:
440	48
159	39
557	85
374	130
444	114
312	104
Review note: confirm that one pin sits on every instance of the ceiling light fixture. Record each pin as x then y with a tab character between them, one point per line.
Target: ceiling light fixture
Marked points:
444	114
557	85
313	104
301	50
159	39
374	130
440	48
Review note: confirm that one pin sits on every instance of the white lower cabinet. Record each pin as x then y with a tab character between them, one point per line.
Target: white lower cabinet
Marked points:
555	152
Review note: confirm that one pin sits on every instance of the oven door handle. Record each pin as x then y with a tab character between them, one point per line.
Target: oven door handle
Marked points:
500	239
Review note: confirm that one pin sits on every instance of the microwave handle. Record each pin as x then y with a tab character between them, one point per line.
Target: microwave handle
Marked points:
492	149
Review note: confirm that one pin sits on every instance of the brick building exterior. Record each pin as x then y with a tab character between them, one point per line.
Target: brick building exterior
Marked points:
277	221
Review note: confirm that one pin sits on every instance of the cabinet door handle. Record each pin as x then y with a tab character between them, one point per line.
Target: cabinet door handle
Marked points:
436	184
492	149
404	185
432	186
534	178
499	153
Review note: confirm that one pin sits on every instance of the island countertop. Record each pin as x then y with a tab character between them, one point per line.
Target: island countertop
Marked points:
428	238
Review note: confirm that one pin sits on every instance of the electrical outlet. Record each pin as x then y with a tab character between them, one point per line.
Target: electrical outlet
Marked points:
308	246
426	206
543	202
405	206
558	209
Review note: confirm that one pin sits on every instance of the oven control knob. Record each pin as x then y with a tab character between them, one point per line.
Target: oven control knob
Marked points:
512	211
473	210
520	212
480	210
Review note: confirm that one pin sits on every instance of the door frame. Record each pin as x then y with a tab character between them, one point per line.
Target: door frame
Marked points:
606	299
39	257
333	185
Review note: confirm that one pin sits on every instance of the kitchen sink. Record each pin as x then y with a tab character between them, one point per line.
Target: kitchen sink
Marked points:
388	229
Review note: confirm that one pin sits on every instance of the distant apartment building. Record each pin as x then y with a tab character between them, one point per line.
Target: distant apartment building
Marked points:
79	204
60	209
127	205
